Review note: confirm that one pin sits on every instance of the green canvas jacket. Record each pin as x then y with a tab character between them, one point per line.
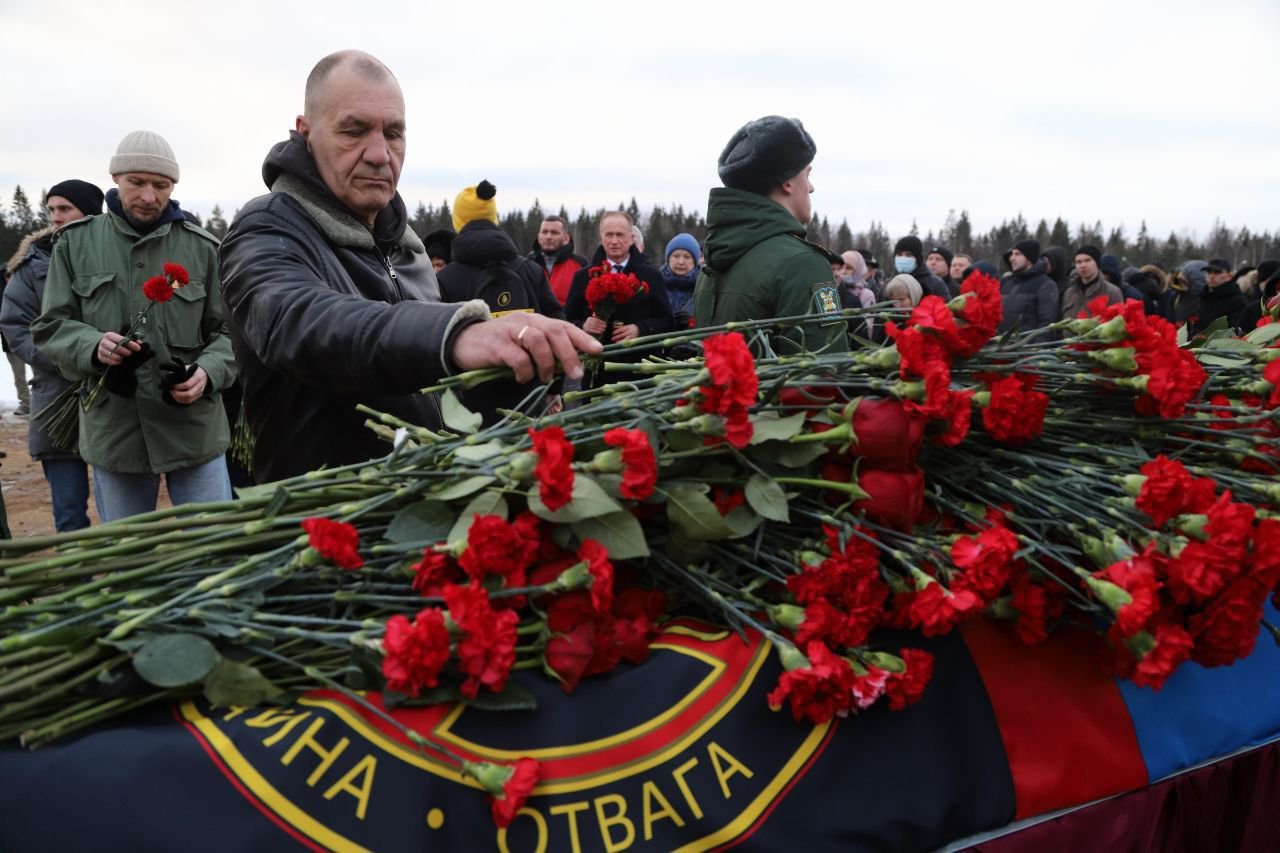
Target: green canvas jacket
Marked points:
758	266
95	285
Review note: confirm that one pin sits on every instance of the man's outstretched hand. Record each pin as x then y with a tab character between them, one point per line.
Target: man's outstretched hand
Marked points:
529	344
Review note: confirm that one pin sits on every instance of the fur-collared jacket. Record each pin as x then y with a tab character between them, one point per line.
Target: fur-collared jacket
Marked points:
29	267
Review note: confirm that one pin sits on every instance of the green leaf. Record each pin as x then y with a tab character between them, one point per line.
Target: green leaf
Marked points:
693	512
488	503
235	683
1220	360
480	452
462	488
278	502
513	697
1264	335
425	521
1231	344
798	455
770	427
619	532
742	521
456	416
681	440
767	498
588	500
175	660
248	493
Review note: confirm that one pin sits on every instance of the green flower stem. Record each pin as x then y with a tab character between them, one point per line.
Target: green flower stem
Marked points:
242	543
324	679
42	735
13	709
49	672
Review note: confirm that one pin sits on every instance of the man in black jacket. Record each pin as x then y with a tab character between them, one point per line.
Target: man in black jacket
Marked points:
486	265
331	297
1031	298
908	257
1222	298
644	314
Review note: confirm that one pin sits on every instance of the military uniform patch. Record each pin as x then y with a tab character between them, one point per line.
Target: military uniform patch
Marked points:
826	302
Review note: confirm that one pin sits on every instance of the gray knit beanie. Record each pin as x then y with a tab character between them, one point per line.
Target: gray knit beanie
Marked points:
144	151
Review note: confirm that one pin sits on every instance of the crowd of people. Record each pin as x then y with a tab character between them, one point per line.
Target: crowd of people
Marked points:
321	297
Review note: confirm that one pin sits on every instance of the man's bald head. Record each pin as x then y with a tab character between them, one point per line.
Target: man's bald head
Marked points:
354	127
356	62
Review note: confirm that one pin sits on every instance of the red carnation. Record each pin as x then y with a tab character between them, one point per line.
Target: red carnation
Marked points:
905	688
606	290
487	649
936	610
733	386
1173	646
516	791
1165	491
1016	411
555	466
1227	630
178	273
495	547
432	572
640	466
157	289
636	614
727	500
415	652
959	417
1175	380
985	561
1137	577
937	385
597	557
336	541
819	691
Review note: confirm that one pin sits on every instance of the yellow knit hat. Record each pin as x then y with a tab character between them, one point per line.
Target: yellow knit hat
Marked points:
475	203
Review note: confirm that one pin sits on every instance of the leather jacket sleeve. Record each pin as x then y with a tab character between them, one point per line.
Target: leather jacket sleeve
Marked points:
305	313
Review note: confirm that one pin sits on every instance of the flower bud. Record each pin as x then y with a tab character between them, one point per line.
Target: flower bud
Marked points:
1120	359
1113	331
789	616
1110	594
1133	484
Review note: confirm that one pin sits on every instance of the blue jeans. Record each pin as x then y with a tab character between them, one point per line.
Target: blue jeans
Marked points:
122	495
69	489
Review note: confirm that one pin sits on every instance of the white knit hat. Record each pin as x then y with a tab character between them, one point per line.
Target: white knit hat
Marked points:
144	151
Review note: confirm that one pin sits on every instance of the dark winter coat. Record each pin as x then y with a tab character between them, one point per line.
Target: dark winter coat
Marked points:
650	311
486	265
563	266
22	296
1030	300
931	284
1060	267
326	314
1224	301
759	266
1181	302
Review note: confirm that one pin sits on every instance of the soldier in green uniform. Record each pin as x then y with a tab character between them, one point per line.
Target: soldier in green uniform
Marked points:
758	263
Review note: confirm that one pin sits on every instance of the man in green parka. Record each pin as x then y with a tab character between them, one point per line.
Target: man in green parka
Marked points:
758	263
159	410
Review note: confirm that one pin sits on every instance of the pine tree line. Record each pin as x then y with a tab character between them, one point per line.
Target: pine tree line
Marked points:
1240	246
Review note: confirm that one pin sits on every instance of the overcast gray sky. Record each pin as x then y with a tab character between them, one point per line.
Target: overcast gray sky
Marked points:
1116	111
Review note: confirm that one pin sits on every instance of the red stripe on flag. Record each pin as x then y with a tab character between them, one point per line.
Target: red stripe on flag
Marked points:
1066	729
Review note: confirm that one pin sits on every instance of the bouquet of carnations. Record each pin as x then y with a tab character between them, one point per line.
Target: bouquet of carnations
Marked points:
1115	479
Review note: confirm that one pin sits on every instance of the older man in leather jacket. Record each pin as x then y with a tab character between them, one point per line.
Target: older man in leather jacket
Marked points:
331	297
